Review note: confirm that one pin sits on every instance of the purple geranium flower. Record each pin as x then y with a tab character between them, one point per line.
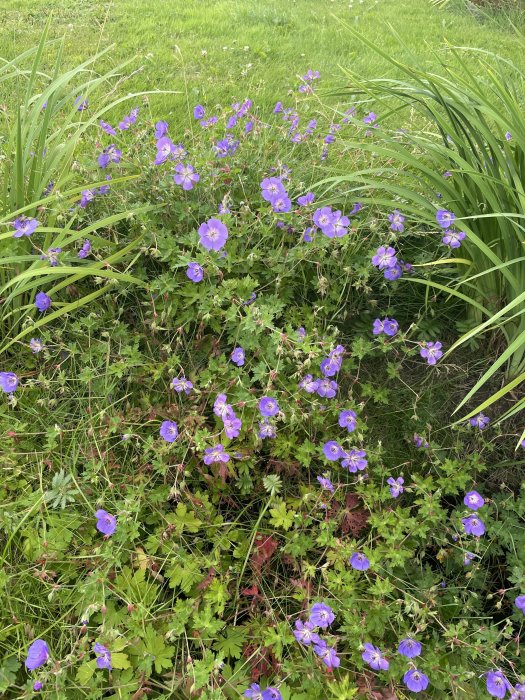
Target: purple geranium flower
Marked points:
384	258
420	441
221	407
324	218
87	196
42	302
388	326
106	523
37	685
186	176
182	384
198	112
396	221
339	225
195	272
445	218
332	450
396	486
359	562
393	273
111	154
81	104
266	429
37	655
8	382
370	119
354	460
480	421
271	694
306	199
327	388
24	226
474	500
415	680
326	483
304	633
165	149
103	656
348	420
213	234
519	602
268	407
431	352
169	431
327	654
321	615
215	454
107	128
232	426
161	129
272	187
453	238
409	647
281	203
497	684
238	356
473	525
36	345
254	692
374	658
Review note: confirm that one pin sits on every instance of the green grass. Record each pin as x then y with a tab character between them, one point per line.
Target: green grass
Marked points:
218	50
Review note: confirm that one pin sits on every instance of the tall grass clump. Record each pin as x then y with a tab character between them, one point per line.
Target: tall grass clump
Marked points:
464	153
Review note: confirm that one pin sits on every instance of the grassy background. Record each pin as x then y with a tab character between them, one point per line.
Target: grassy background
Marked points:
217	50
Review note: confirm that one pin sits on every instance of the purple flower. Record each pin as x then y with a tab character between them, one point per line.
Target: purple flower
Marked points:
445	218
409	647
106	523
474	500
266	429
103	656
453	238
306	199
396	486
51	256
182	384
396	221
324	219
431	352
213	234
85	250
384	258
111	154
268	407
359	562
354	460
37	685
36	345
186	176
393	273
420	441
497	684
194	272
348	420
8	382
232	426
24	226
226	147
107	128
415	680
215	454
304	633
518	693
480	421
332	450
161	129
374	658
321	615
42	302
37	655
468	558
221	407
81	104
473	525
519	602
272	187
237	356
356	208
198	112
370	119
271	694
281	204
388	326
508	136
87	196
169	431
327	654
165	149
326	483
327	388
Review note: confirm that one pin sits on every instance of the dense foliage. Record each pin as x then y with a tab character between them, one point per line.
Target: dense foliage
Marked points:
230	471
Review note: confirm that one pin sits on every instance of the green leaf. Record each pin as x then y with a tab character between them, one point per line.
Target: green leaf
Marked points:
281	517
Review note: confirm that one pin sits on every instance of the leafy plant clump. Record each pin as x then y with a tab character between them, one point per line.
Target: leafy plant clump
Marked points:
229	471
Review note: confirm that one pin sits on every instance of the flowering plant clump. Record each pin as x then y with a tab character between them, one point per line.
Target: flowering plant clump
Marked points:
251	434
